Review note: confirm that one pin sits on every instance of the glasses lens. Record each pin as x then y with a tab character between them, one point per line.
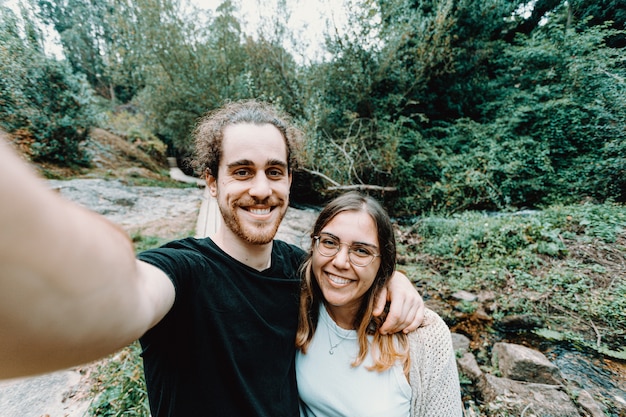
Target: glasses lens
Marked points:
360	258
357	254
327	246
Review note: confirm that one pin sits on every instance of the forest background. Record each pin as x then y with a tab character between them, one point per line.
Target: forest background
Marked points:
446	110
438	106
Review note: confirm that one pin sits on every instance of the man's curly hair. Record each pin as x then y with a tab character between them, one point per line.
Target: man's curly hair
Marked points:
209	132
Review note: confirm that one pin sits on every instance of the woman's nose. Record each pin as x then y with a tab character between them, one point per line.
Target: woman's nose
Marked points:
342	258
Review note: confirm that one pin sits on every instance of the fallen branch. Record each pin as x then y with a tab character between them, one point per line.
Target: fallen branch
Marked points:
598	335
319	174
362	187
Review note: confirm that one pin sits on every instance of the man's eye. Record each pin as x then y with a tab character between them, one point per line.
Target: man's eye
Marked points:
275	173
241	173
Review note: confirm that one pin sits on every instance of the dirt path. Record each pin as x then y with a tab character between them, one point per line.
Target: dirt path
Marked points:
59	394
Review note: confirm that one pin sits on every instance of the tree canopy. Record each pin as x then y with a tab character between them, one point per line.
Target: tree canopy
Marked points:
432	104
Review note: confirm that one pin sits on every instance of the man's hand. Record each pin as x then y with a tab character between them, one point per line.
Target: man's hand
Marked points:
406	310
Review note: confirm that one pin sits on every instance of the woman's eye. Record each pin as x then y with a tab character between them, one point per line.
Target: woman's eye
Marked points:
362	251
329	243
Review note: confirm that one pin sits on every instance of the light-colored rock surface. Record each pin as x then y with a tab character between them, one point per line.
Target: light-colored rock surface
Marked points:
52	395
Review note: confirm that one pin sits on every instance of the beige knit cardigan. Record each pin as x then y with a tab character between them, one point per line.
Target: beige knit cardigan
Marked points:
434	377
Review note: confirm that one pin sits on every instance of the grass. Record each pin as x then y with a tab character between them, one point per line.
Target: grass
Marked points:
119	387
564	264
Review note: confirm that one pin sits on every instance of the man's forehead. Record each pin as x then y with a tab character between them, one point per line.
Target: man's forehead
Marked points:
249	144
250	162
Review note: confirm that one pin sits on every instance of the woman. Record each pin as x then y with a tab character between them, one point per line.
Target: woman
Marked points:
344	366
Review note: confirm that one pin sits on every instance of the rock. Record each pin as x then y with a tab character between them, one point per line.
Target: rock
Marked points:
469	367
589	405
524	364
508	397
296	227
520	322
55	394
460	343
130	206
464	296
486	296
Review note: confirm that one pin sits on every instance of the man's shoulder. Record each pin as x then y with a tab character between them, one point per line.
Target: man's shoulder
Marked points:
282	246
177	250
188	243
287	257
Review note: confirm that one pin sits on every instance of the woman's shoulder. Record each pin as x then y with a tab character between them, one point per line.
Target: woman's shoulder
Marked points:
431	344
431	318
433	326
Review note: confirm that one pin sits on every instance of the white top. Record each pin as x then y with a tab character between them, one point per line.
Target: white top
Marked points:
330	387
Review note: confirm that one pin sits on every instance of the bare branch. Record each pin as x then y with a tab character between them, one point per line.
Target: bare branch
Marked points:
319	174
361	187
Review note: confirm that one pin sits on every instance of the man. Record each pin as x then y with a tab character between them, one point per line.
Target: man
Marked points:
216	317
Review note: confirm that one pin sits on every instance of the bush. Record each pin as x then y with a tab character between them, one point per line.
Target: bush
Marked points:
41	98
132	125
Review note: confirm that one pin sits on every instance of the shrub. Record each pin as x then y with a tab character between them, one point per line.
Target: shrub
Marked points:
40	97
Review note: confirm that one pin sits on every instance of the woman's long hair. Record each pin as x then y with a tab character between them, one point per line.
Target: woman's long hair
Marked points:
386	349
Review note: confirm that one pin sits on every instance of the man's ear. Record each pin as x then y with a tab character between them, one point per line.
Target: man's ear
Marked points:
211	182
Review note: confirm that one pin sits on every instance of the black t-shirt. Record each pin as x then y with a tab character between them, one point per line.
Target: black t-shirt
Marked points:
226	348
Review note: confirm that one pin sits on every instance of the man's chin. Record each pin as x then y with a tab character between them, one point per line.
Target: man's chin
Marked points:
260	235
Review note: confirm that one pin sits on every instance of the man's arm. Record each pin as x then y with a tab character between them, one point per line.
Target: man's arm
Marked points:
406	310
71	290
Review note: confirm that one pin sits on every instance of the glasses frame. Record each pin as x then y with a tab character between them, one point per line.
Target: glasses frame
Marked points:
350	252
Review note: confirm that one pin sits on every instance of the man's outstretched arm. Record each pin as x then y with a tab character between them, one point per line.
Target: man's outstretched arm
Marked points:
71	290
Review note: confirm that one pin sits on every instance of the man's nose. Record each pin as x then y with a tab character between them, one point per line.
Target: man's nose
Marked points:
261	186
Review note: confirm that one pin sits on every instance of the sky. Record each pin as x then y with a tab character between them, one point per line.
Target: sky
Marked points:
308	18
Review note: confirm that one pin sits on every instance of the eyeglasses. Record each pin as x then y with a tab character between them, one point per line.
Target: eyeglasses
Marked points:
359	254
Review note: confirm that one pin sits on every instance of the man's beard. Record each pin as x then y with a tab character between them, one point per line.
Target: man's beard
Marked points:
255	234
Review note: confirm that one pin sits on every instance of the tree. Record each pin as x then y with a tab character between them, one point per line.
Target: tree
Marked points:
41	101
374	86
597	13
552	129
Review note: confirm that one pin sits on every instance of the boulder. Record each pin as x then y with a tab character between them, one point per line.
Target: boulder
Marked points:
503	395
524	364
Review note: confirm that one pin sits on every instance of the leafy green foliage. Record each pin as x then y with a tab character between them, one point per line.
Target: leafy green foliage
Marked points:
550	130
458	113
119	386
92	44
41	98
133	126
